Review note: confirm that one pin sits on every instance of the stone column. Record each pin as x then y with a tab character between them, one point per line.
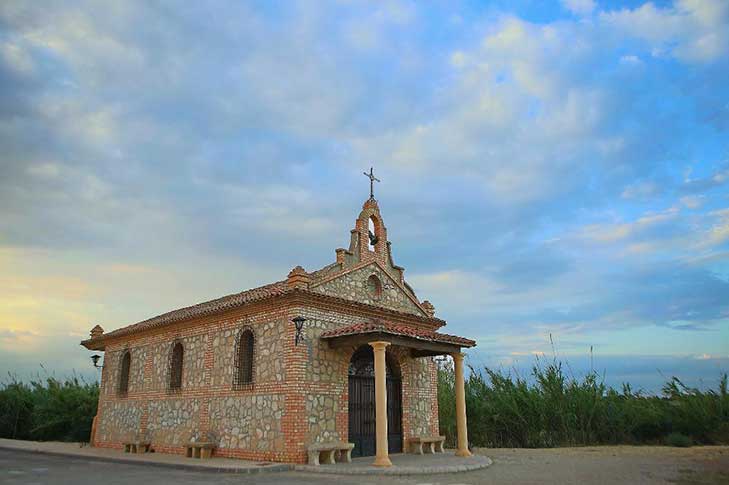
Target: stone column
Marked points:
381	458
461	425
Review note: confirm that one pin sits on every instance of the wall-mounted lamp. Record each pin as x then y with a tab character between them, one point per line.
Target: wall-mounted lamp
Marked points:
299	322
95	359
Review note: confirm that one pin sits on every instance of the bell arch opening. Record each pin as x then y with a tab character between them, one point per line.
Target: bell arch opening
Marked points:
373	232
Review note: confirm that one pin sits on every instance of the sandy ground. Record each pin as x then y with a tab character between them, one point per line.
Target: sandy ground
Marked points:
608	465
622	465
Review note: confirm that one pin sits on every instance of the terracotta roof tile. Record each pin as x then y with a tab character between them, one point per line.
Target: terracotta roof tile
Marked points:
225	303
395	329
207	307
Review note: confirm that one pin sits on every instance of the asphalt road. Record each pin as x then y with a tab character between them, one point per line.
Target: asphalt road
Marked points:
600	465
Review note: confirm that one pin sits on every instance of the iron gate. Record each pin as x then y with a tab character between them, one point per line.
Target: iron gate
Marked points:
362	415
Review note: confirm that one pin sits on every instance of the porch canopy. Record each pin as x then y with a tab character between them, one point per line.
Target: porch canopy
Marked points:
422	342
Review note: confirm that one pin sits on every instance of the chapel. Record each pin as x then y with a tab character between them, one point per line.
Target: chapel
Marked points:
344	353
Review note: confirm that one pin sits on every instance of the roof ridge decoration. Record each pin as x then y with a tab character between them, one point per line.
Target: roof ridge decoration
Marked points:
298	278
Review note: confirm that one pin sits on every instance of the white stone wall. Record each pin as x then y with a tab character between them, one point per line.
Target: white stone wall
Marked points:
250	422
353	286
193	367
120	421
267	352
172	422
321	411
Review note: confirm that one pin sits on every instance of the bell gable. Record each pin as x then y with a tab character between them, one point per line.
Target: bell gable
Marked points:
366	272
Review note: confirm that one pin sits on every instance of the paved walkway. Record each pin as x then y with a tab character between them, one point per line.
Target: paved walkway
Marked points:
157	459
404	464
606	465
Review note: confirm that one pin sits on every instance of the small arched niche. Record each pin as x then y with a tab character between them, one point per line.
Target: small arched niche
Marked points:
374	287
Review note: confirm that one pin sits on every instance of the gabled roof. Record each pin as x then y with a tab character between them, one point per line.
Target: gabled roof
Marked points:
399	330
235	300
303	283
205	308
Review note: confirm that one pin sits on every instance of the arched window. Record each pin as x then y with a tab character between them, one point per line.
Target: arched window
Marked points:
126	362
244	358
176	360
374	287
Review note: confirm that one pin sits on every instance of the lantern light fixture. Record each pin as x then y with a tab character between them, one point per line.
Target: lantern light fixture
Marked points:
95	359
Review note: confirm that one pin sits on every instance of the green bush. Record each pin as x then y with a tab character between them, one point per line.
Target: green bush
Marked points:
551	409
678	439
49	409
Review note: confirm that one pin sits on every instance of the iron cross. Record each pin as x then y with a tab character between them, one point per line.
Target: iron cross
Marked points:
373	179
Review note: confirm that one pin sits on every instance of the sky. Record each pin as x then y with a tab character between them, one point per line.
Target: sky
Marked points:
549	168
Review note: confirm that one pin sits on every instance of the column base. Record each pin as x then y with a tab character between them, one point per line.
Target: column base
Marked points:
463	453
382	461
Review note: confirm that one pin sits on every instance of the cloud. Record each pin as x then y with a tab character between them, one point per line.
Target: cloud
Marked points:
558	170
718	233
645	226
692	201
641	190
691	30
579	7
702	184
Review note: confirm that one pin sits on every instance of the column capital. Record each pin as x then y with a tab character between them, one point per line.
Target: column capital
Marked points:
379	345
457	356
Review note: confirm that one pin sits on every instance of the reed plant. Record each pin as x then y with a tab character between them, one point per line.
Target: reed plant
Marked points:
550	409
48	409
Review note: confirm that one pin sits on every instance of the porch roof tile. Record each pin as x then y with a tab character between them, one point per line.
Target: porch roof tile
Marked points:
396	329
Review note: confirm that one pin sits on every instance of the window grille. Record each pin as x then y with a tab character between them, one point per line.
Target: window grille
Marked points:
124	373
176	361
244	359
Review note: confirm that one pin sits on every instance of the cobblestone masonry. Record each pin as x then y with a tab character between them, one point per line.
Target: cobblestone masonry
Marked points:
418	391
193	375
248	422
172	422
110	383
353	286
122	420
268	366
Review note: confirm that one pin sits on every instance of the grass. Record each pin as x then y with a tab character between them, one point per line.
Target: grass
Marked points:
551	409
679	440
48	409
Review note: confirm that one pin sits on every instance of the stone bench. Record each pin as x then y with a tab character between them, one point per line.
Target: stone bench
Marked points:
199	449
435	443
136	446
329	450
